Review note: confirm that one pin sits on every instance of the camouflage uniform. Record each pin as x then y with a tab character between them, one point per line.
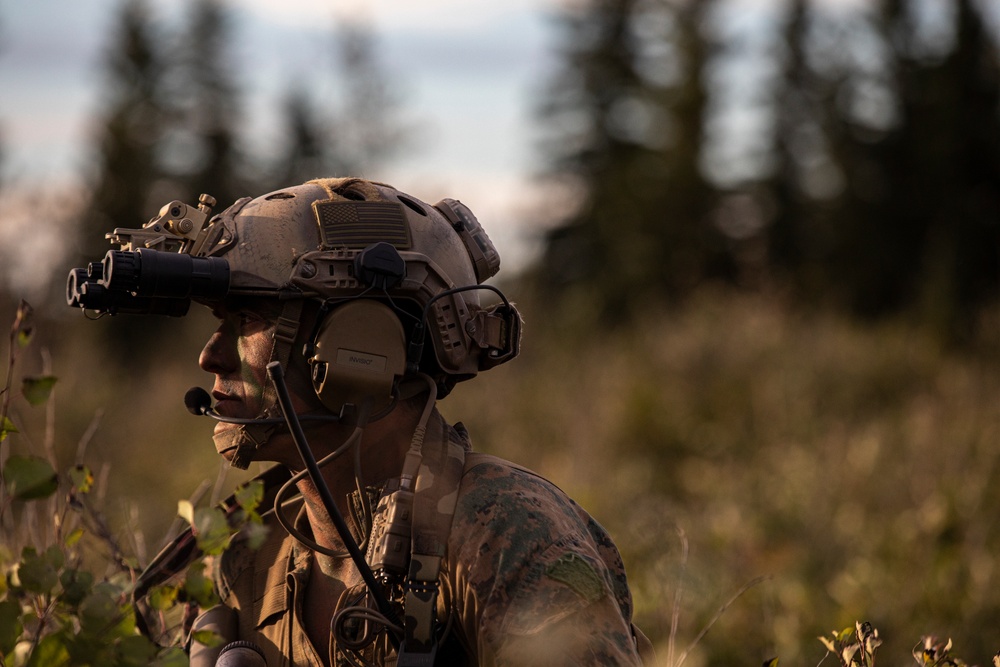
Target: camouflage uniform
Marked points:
528	578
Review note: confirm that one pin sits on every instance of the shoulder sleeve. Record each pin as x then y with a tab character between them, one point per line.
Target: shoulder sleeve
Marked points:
535	580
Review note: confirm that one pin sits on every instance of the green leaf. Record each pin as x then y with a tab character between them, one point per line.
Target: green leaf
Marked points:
37	389
55	557
23	328
250	495
37	573
162	598
29	477
135	651
199	587
76	586
255	533
6	427
82	478
209	638
211	530
50	652
10	625
171	657
73	537
99	610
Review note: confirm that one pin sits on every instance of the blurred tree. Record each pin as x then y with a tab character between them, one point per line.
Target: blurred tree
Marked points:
133	122
923	198
794	115
356	134
625	118
124	189
204	151
304	155
887	187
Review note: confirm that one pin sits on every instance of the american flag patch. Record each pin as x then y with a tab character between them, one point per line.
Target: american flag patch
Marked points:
359	224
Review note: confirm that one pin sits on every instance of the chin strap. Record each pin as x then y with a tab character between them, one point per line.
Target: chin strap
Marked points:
248	438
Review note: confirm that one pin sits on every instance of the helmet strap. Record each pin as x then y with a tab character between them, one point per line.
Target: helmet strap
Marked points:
248	438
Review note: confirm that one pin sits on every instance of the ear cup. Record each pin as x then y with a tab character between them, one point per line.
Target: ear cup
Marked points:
358	353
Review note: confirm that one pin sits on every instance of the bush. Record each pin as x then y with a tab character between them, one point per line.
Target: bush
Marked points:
66	591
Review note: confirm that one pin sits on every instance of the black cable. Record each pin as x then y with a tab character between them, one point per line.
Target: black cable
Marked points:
416	347
277	375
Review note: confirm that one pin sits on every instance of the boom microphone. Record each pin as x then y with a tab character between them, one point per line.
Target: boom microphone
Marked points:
199	402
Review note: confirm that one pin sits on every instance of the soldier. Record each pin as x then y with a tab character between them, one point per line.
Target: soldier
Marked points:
346	309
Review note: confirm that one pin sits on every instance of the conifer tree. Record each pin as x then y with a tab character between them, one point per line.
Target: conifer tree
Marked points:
356	131
921	213
304	152
125	190
205	153
628	138
133	122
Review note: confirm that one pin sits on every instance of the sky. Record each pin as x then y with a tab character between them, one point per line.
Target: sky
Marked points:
467	73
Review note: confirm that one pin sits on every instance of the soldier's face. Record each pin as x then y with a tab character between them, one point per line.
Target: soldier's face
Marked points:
237	354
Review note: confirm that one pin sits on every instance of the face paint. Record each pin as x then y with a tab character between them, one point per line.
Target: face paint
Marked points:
237	354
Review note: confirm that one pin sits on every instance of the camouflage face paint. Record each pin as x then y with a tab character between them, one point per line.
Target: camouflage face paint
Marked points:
238	353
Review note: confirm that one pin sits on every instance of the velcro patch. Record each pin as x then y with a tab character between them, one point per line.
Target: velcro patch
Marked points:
574	571
358	224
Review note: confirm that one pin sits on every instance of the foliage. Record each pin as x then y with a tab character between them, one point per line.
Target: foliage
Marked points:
856	652
901	230
854	466
624	112
873	181
856	647
204	143
66	591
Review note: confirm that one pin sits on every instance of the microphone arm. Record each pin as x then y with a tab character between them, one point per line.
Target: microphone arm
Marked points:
277	376
198	402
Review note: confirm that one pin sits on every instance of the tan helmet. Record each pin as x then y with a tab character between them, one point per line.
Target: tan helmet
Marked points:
332	241
341	239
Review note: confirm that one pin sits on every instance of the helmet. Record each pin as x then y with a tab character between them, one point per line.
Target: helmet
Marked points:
340	239
389	273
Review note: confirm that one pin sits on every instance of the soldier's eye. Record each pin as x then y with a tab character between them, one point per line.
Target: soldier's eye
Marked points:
251	321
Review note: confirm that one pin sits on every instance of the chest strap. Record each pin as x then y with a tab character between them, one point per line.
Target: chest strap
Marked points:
435	496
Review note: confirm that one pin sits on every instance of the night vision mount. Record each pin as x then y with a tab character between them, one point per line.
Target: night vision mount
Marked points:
156	269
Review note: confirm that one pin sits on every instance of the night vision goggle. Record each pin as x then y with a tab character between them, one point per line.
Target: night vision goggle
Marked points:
157	269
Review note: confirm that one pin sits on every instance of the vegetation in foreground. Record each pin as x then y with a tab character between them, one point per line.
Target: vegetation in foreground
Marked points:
769	475
853	467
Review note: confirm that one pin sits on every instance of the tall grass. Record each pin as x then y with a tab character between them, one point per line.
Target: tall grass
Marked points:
855	467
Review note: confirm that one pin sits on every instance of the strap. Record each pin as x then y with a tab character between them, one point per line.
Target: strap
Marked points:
252	437
436	494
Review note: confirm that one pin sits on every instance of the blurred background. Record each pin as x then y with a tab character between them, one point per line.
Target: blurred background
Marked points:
756	244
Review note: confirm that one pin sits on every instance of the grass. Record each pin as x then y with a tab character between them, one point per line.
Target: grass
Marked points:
854	468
